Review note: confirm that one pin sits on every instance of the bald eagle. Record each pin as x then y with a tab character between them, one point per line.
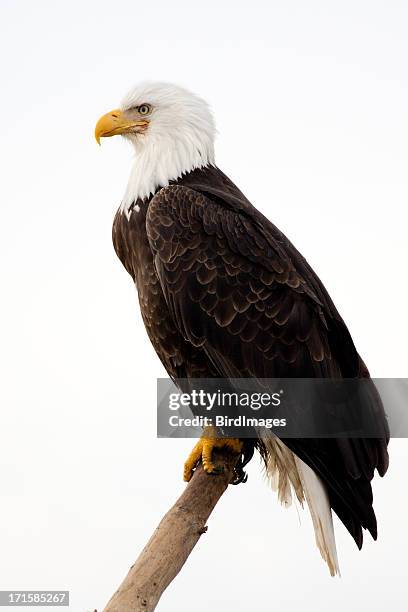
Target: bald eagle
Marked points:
223	293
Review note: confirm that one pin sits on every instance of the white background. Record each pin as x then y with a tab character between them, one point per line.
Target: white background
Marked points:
311	103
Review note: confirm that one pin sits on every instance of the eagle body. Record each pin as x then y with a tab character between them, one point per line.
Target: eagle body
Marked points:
223	293
217	302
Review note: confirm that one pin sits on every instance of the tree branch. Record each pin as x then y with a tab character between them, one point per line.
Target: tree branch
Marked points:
173	540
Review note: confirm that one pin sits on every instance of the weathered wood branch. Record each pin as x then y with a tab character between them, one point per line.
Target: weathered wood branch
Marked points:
173	540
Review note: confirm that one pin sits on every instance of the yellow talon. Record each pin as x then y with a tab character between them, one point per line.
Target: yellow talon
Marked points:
203	450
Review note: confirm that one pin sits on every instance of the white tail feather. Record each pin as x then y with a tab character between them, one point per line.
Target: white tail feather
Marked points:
285	472
318	502
281	470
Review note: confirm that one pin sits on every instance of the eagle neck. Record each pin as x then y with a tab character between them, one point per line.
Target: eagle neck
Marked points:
161	161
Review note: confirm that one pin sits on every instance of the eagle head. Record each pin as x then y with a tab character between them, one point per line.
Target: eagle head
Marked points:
171	129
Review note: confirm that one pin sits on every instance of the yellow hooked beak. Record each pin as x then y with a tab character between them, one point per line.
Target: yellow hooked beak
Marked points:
114	123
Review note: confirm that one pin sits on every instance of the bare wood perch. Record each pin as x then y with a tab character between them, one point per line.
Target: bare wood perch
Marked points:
173	540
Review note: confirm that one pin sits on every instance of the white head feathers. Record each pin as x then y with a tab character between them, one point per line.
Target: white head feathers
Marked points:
179	138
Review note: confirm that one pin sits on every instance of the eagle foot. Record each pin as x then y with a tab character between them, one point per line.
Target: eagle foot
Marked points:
202	451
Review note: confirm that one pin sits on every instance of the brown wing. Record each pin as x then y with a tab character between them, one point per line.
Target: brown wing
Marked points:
239	296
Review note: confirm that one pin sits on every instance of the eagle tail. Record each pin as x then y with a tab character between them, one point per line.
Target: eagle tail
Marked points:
319	506
288	473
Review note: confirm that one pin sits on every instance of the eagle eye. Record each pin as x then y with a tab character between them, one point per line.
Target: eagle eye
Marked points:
144	109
